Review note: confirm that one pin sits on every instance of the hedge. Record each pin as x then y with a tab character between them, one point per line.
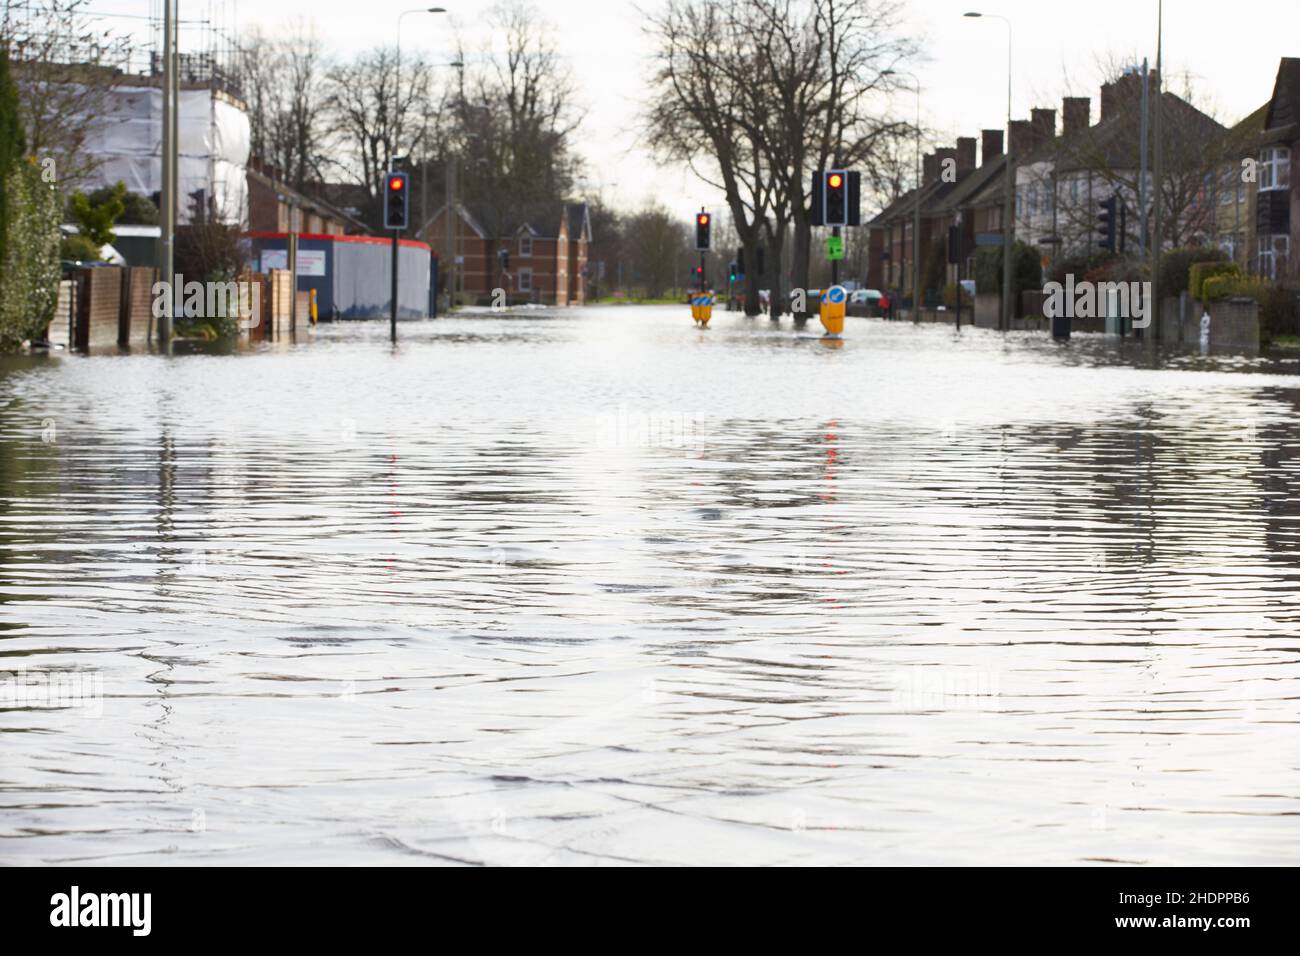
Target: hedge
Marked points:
29	275
1176	263
1200	271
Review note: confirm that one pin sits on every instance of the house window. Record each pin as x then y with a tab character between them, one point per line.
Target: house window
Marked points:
1275	168
525	277
1273	254
525	247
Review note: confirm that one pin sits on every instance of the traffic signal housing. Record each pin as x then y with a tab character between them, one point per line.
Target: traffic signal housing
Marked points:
1106	223
397	203
703	227
836	198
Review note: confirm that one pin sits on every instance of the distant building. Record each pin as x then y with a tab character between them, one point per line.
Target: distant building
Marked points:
545	253
271	203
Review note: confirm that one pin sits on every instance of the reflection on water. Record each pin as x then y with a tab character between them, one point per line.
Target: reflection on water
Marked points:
606	588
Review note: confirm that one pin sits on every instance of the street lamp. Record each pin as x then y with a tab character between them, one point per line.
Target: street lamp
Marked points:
1008	206
397	93
916	221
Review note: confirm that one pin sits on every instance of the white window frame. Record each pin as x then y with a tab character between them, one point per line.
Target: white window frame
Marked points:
1274	252
1274	168
525	247
524	280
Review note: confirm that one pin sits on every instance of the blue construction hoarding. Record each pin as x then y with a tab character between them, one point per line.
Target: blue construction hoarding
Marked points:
351	273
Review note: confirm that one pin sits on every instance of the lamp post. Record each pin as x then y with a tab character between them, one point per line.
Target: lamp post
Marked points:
1008	205
397	92
916	212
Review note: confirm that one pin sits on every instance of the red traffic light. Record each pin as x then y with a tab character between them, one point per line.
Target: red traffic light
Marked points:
395	183
703	219
835	180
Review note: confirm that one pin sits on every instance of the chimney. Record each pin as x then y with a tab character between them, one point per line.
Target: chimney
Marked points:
929	168
1076	111
991	145
1019	135
1125	93
965	153
942	157
1044	126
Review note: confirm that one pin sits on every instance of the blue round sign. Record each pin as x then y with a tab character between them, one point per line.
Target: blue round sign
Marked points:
835	294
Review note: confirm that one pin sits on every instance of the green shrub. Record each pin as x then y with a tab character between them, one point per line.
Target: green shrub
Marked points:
78	249
13	144
1200	271
1176	264
29	274
1026	270
95	219
1279	311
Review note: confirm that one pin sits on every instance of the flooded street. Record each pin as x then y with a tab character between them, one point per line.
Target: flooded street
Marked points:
600	587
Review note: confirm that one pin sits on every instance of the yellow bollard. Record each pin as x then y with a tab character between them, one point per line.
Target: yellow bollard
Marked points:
834	301
313	306
702	308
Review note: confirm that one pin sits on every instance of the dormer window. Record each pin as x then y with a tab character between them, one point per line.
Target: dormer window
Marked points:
525	247
1275	168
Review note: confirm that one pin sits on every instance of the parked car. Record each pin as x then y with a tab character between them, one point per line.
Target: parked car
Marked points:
864	302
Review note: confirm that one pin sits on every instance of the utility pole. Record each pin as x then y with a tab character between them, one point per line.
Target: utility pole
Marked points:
1157	124
449	269
167	192
1142	163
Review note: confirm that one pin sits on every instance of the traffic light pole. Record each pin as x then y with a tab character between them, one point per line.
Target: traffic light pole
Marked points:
392	322
703	286
835	263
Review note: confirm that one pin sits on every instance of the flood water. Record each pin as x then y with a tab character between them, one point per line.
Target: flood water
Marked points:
598	587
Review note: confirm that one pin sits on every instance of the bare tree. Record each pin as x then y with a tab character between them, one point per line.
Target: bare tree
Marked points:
703	111
512	119
371	112
756	94
284	86
656	242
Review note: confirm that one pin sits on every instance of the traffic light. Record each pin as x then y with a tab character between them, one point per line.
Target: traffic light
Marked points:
703	223
1106	223
396	201
732	272
836	198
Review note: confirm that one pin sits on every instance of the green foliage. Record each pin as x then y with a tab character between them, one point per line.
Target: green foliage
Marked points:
95	219
78	249
29	273
1279	312
1200	271
1176	264
13	143
1026	269
137	210
935	265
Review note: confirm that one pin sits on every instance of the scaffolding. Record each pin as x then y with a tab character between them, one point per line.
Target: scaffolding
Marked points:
75	33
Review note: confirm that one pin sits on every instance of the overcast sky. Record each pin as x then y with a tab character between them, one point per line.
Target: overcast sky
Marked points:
1228	52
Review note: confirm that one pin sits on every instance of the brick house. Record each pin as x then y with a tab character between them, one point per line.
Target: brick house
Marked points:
270	203
545	253
971	194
